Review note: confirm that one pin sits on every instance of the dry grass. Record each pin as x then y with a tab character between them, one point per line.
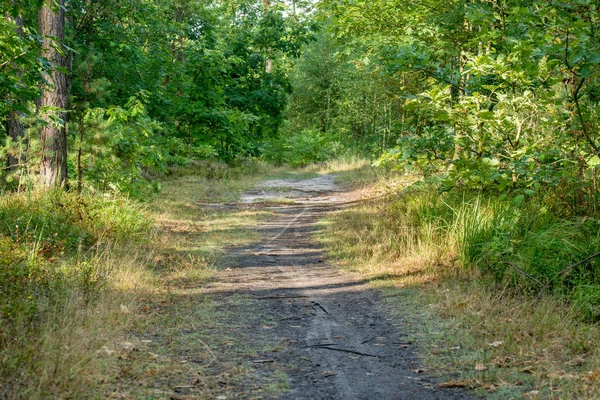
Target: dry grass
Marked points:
66	303
63	357
503	343
181	342
192	231
131	335
539	349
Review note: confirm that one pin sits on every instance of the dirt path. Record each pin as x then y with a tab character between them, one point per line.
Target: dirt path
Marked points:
335	339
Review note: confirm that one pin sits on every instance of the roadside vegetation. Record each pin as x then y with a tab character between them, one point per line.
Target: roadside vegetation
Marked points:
85	277
508	313
70	269
481	118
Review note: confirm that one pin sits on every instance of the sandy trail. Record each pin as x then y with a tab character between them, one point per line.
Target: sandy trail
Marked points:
337	340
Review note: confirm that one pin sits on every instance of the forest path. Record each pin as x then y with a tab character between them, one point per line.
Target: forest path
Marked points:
333	337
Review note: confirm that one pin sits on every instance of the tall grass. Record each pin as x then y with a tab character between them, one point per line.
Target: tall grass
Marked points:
60	257
526	246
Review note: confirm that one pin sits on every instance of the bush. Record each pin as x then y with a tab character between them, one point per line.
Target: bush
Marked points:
307	147
48	244
214	169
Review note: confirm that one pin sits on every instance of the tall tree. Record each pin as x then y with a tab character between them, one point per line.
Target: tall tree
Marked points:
269	67
53	168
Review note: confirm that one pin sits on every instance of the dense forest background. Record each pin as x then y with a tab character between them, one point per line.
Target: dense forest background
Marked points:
486	98
492	107
500	95
149	85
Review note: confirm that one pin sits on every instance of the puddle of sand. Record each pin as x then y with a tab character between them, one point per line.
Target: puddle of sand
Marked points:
313	190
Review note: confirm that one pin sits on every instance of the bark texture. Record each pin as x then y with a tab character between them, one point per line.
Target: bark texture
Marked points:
53	168
16	131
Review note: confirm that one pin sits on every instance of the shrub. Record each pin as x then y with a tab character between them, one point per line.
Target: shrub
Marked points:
48	248
307	147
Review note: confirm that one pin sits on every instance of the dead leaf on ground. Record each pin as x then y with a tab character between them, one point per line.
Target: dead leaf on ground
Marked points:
480	367
128	346
503	361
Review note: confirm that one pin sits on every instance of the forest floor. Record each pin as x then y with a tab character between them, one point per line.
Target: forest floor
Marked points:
271	318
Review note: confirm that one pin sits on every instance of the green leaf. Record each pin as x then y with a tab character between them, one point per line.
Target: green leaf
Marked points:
518	200
487	115
594	161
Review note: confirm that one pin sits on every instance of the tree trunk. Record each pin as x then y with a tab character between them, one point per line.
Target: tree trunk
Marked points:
269	67
53	168
14	127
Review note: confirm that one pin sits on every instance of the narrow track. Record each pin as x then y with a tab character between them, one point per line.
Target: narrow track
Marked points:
338	340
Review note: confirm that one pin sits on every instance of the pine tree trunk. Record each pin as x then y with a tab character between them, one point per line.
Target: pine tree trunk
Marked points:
53	168
269	67
16	131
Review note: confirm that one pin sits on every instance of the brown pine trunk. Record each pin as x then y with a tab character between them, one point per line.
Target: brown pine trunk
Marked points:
14	127
53	168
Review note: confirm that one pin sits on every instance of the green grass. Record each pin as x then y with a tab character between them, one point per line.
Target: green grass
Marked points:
59	265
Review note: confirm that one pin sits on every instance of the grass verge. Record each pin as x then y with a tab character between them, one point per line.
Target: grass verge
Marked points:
189	342
67	264
104	297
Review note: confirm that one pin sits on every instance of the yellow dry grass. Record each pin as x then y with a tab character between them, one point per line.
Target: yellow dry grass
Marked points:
91	348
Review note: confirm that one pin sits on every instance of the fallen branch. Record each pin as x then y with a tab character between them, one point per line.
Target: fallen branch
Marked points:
315	304
290	318
281	297
345	351
519	270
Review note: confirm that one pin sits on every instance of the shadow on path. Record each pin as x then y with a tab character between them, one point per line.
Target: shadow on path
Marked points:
337	341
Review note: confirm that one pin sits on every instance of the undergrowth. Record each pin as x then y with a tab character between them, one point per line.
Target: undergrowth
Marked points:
520	314
57	263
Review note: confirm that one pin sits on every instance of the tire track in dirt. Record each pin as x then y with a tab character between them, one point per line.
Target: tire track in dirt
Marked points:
338	341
